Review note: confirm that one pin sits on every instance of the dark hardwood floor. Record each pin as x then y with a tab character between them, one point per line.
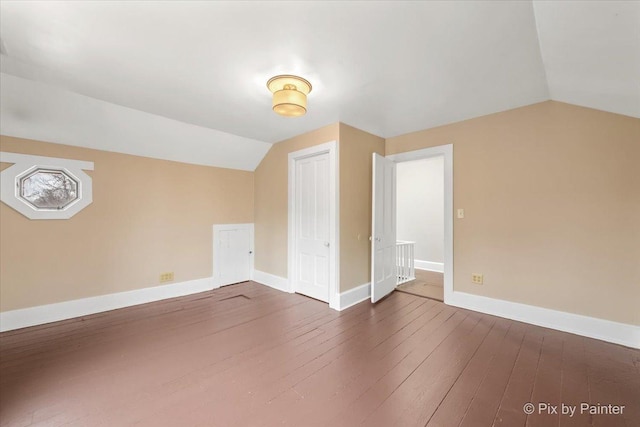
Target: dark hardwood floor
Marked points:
428	284
247	355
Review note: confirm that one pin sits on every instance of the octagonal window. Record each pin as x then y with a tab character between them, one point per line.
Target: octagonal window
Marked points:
45	187
48	189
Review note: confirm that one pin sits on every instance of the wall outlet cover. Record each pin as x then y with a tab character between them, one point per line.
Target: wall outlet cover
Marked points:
166	277
477	278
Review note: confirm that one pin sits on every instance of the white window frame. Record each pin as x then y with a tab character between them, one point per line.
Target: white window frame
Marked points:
24	164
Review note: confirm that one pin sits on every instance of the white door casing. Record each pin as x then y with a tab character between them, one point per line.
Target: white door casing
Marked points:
232	253
313	223
383	228
447	152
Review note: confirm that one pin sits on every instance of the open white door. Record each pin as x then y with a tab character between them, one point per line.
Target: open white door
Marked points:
383	228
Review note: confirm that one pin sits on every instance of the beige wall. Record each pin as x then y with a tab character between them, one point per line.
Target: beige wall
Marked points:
148	216
271	194
356	149
551	194
271	206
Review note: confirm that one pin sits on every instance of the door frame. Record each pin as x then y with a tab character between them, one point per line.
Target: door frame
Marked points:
447	152
216	254
330	148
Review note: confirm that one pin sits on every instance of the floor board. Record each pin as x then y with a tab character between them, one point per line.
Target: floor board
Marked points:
428	284
248	355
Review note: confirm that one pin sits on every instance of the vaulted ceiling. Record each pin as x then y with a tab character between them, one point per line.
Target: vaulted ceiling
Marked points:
385	67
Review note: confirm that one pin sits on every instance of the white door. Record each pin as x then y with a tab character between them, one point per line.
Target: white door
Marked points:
383	225
233	253
312	227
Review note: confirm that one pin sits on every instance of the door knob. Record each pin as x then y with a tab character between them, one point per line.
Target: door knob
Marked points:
326	244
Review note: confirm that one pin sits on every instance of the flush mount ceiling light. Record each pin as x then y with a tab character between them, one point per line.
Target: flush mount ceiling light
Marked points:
289	95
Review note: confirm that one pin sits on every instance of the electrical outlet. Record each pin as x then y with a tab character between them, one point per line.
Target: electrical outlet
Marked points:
166	277
477	278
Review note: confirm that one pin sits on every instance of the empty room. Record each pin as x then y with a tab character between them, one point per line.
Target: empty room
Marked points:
320	213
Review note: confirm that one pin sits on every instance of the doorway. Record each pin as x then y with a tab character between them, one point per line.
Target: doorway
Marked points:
402	265
420	224
313	215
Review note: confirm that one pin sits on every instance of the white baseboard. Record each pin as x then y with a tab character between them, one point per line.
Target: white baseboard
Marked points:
271	280
605	330
22	318
428	265
354	296
345	299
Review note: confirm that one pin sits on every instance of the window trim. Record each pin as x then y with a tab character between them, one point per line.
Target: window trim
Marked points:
24	164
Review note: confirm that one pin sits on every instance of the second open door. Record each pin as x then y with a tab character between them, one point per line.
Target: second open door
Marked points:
383	228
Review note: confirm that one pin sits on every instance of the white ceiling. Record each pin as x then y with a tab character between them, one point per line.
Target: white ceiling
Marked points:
591	53
43	112
385	67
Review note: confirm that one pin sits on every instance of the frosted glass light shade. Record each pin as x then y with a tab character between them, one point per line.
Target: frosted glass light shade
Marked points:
290	102
289	95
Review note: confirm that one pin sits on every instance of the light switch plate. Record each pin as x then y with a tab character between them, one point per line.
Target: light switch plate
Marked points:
460	213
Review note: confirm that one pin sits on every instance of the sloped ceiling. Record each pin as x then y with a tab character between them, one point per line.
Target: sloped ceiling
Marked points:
385	67
591	53
43	112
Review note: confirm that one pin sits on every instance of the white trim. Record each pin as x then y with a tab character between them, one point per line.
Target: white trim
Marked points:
331	148
217	280
447	152
16	319
24	164
438	267
271	280
345	300
354	296
605	330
